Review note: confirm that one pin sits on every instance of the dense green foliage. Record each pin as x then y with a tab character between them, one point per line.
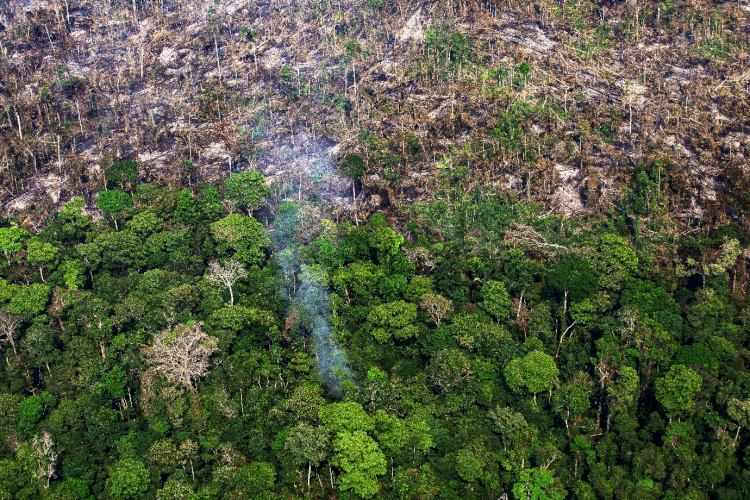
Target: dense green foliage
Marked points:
493	349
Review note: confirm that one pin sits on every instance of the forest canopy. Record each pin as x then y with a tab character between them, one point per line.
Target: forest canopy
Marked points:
169	350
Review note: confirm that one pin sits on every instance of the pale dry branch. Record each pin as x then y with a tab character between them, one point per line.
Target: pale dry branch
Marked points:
436	306
182	355
226	275
521	234
9	328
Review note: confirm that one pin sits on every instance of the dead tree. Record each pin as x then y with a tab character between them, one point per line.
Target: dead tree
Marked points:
436	306
182	355
44	457
226	275
10	325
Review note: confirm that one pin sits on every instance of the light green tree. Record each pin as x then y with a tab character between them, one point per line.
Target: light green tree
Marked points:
40	254
538	484
145	223
361	459
535	372
349	416
242	234
29	301
11	240
355	452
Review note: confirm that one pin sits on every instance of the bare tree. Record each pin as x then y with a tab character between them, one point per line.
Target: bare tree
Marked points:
44	457
226	275
436	306
183	354
9	328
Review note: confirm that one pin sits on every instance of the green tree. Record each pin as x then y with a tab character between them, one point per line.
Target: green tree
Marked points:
11	240
253	480
535	372
309	446
415	483
572	399
393	319
739	411
622	394
675	390
32	410
449	369
509	424
30	300
113	202
122	175
145	224
355	451
572	280
73	274
538	484
402	438
164	456
496	300
613	259
128	479
247	190
176	489
471	462
40	254
242	234
186	210
16	482
71	223
359	456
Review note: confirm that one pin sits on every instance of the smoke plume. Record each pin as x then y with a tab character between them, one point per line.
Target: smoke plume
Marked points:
307	292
